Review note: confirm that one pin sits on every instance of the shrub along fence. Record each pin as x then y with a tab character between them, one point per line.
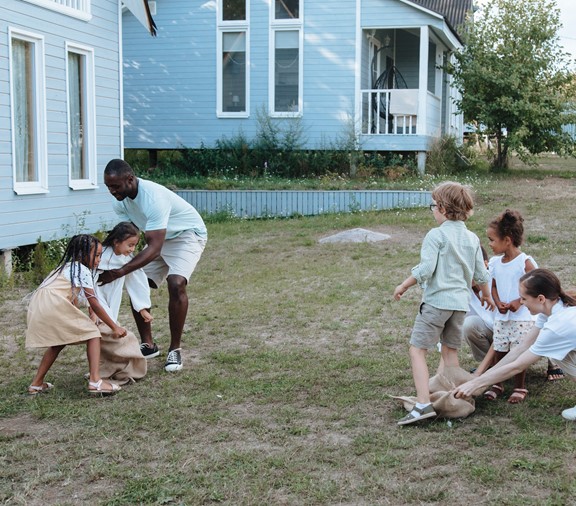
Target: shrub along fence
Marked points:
285	203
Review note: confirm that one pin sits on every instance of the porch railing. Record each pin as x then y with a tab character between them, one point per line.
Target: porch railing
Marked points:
390	112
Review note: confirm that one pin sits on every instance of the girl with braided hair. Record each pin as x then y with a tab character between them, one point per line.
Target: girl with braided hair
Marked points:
56	320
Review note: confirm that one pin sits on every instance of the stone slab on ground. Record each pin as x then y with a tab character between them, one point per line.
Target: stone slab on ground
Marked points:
356	235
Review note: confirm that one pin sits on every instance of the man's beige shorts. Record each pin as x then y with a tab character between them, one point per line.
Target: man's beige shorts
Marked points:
178	256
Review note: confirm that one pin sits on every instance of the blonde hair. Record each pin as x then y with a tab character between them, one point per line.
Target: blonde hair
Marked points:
457	200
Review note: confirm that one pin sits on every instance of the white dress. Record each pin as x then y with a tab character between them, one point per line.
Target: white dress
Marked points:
121	359
136	284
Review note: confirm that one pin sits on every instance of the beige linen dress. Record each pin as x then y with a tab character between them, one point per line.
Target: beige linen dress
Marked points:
53	319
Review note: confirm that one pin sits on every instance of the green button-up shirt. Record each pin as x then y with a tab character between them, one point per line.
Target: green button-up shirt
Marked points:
450	259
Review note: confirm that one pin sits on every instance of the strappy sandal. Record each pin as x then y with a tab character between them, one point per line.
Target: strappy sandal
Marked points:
518	396
554	374
494	392
96	388
44	387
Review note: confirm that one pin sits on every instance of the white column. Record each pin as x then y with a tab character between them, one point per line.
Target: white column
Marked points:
6	262
421	159
423	81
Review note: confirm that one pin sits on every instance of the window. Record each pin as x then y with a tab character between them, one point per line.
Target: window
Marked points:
233	10
286	65
234	72
286	58
233	77
27	100
75	8
287	9
81	117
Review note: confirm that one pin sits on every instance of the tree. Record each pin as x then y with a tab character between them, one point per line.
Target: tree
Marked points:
514	79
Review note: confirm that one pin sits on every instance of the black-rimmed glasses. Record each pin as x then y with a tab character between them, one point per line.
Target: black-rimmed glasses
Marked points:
432	206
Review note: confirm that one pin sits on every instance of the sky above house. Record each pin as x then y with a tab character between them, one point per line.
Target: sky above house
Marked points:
567	33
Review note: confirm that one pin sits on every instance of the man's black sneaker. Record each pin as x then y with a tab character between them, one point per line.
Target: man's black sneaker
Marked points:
173	361
149	351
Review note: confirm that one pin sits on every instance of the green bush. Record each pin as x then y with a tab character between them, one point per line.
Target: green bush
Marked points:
447	157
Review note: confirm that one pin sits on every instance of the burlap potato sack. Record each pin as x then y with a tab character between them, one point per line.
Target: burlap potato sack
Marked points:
443	401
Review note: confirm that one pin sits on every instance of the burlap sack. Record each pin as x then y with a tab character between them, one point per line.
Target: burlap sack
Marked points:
443	401
120	359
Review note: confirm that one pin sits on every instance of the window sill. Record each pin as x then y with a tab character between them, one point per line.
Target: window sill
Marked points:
83	185
30	191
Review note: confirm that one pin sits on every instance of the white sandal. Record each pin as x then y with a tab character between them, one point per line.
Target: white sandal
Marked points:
44	387
96	388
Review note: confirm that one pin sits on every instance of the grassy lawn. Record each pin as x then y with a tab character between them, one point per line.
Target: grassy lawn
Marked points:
291	351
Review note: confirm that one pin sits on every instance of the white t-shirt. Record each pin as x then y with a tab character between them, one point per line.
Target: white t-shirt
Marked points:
507	276
557	336
83	278
158	208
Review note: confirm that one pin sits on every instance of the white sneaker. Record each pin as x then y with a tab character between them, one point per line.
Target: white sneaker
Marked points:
173	361
569	414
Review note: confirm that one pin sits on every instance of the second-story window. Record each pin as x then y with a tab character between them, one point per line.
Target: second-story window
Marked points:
233	10
287	9
75	8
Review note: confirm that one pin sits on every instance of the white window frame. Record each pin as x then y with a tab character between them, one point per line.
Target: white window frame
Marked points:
39	105
277	25
89	105
79	9
227	27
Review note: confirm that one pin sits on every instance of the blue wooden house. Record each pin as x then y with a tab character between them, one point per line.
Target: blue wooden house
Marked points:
373	66
60	115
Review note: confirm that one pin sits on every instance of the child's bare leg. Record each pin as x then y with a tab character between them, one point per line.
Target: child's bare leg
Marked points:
499	356
450	356
520	392
520	380
93	354
423	408
48	359
144	327
497	389
420	374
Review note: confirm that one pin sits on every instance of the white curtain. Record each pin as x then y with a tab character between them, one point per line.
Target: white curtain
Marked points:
23	94
76	119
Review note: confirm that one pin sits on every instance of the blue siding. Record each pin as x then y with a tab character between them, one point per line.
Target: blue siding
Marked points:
170	81
25	218
257	204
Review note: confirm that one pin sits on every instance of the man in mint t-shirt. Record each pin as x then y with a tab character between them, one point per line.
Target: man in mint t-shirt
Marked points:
175	237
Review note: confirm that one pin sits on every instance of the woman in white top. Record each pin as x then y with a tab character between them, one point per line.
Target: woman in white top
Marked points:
553	335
